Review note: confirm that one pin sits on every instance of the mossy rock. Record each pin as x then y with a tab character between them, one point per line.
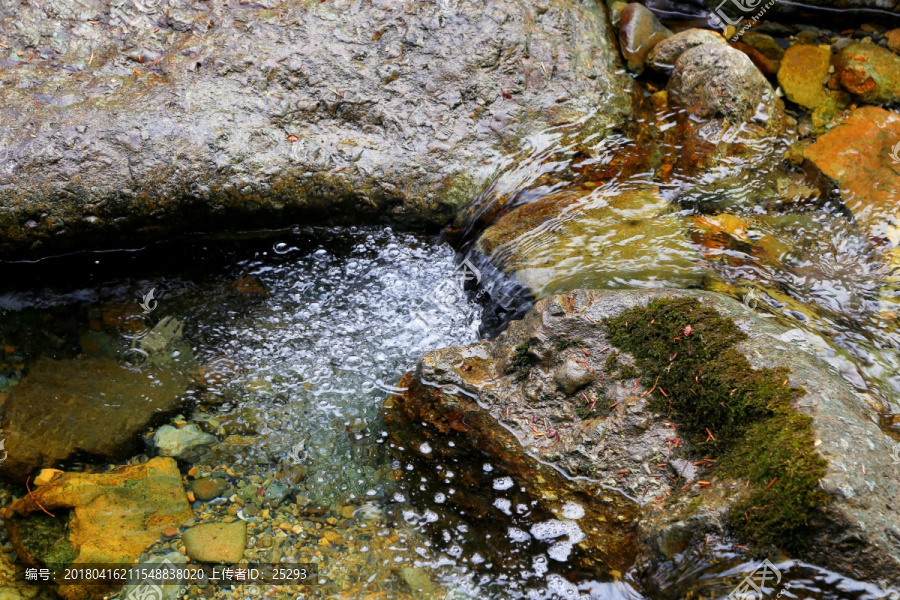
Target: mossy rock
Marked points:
741	416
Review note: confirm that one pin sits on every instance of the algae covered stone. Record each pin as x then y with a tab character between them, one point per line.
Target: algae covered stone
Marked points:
741	416
579	239
869	72
69	407
106	518
789	419
803	72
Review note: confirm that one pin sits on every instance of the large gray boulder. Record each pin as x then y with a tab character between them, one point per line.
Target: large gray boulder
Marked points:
505	398
164	114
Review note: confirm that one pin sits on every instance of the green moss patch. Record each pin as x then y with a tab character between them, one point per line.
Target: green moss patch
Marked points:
738	415
47	538
522	361
564	343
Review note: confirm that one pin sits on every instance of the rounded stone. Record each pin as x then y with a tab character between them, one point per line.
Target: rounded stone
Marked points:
803	71
217	543
715	81
639	32
572	376
209	488
666	52
869	72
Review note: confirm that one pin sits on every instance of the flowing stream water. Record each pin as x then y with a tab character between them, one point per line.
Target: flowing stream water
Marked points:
300	335
308	331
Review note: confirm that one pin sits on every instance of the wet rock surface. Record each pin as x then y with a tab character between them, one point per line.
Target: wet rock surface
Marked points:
857	156
869	72
108	518
803	74
717	81
552	243
639	32
501	395
666	52
72	408
134	123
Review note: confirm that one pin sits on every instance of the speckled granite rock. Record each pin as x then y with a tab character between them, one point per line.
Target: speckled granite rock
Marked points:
141	122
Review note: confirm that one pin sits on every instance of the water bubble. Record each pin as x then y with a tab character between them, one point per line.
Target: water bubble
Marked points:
133	359
281	248
503	483
573	510
503	504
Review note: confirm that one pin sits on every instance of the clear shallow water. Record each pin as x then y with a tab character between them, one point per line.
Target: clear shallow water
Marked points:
634	210
301	336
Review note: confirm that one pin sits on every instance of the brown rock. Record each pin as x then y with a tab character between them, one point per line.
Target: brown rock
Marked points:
803	73
857	156
249	285
767	66
56	414
893	39
766	45
112	518
639	32
208	488
217	543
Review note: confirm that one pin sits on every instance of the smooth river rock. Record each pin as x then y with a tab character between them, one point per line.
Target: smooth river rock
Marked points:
132	123
666	52
716	81
639	32
216	543
65	409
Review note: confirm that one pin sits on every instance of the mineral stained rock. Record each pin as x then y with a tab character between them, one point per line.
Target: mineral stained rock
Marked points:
107	518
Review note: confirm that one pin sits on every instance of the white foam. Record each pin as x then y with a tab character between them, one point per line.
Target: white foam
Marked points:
572	510
504	505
